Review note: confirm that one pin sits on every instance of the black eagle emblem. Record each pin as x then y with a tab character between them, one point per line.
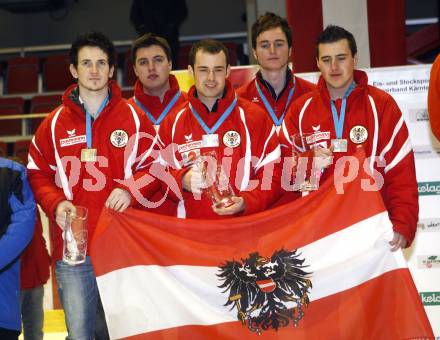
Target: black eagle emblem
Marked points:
260	288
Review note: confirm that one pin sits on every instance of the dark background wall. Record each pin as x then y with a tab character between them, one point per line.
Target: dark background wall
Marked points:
112	17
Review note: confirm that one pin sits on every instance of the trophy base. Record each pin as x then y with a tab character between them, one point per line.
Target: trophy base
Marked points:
74	259
225	203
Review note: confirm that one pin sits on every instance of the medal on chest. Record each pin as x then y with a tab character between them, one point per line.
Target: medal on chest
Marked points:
210	140
339	145
88	155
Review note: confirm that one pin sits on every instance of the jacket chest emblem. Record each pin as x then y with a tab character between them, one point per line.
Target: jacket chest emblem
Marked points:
119	138
231	139
358	134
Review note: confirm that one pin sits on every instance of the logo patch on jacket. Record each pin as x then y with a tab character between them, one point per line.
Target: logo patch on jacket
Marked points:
358	134
119	138
268	293
318	135
189	146
231	139
72	140
71	133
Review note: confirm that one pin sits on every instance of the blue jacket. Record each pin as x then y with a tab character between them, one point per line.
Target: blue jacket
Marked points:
17	219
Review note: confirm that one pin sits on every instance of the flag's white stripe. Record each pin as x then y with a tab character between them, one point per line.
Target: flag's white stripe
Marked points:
265	285
158	297
353	18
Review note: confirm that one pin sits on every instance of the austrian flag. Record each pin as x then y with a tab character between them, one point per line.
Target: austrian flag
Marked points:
319	267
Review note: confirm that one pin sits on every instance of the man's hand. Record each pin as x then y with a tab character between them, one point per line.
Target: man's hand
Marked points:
233	209
64	208
118	200
398	241
193	181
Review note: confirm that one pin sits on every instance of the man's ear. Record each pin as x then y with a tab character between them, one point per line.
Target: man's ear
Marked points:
228	71
73	71
112	69
190	70
255	54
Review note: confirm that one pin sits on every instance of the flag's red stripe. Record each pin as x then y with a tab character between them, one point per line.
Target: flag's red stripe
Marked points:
305	19
387	32
384	308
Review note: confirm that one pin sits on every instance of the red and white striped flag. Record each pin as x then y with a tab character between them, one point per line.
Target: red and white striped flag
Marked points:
318	267
378	27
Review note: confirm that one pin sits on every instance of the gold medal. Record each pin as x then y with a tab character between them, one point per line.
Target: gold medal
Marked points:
88	155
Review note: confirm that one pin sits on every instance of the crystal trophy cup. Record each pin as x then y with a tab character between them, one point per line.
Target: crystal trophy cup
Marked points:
217	185
305	173
75	237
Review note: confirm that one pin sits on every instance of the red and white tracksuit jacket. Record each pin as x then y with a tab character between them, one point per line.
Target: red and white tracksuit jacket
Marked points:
56	172
156	107
373	119
248	147
249	91
153	103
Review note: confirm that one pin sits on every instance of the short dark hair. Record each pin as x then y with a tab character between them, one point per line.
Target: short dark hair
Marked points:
210	46
147	40
270	21
334	33
92	39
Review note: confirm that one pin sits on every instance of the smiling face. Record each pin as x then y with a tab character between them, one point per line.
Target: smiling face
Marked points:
210	72
153	68
272	50
337	65
93	70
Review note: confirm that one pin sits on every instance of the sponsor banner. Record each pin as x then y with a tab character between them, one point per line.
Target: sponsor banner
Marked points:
72	140
418	115
430	298
401	80
426	151
429	188
429	225
428	262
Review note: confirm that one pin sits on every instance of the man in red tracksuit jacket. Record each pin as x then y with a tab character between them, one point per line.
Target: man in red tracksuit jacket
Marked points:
345	112
240	134
275	86
156	94
82	154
